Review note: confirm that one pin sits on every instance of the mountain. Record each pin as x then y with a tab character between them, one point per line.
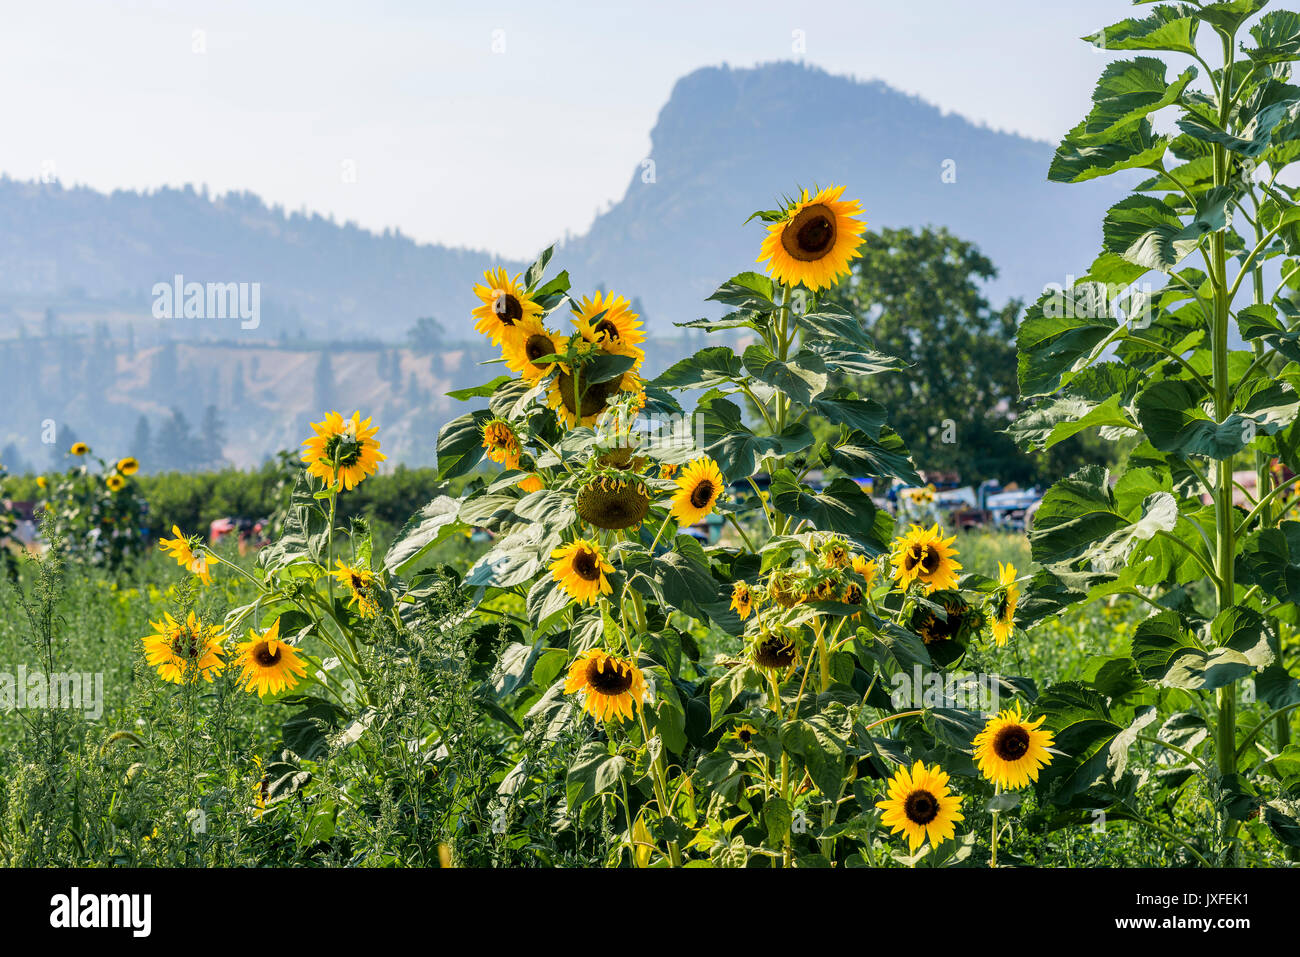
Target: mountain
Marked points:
729	141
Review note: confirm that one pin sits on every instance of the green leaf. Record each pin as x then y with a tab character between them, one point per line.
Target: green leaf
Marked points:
1270	558
717	365
1094	747
425	529
1260	322
1147	232
1168	27
1278	37
1062	333
738	450
861	456
593	772
1079	158
801	378
747	289
841	507
480	391
460	443
1167	653
1130	90
1275	102
1174	417
863	415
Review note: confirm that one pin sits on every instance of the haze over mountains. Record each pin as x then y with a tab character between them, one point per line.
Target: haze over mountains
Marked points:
728	142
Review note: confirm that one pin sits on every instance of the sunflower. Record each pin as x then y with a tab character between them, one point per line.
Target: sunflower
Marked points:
79	448
920	805
504	305
785	588
745	733
501	442
129	465
349	444
184	651
865	567
613	503
42	481
742	600
698	488
619	329
360	583
953	624
595	397
580	568
182	549
1004	606
531	341
530	483
269	665
115	483
1010	750
773	651
613	686
834	553
667	470
816	240
924	555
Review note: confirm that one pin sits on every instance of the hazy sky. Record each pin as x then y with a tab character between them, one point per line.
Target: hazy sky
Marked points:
452	140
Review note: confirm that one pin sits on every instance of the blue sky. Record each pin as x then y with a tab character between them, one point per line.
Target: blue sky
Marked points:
454	141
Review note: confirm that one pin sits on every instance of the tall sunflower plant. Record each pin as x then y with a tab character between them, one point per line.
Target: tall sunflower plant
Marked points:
735	697
1180	341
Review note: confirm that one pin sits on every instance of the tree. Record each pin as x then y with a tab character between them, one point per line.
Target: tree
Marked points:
212	436
426	335
142	442
323	393
918	294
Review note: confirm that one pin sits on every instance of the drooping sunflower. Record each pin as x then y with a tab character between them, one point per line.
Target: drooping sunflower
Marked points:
182	550
774	651
954	623
742	600
115	482
618	329
580	568
360	583
924	555
1004	604
501	442
613	503
579	402
268	664
785	588
833	553
816	241
184	651
79	448
698	488
667	470
920	806
530	342
613	686
349	444
504	304
1010	750
129	465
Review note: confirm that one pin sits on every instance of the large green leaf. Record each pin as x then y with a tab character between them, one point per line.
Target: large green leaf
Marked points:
801	378
423	531
717	365
1147	232
460	443
1168	653
841	507
1093	745
593	772
1080	158
1061	333
1173	415
1167	27
737	449
1130	90
1278	37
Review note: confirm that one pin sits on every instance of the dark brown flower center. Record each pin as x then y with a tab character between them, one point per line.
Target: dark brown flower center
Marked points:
811	234
609	504
594	397
538	346
921	807
1011	743
586	564
610	681
263	655
923	557
607	329
702	494
186	644
508	309
744	736
774	652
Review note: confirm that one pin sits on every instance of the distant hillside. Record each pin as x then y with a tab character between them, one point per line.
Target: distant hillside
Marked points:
729	141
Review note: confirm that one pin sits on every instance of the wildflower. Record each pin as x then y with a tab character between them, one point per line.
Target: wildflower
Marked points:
504	304
1010	750
115	483
182	549
129	465
268	664
360	583
1004	608
613	685
580	568
920	806
924	555
184	651
343	451
531	342
816	240
698	489
79	448
742	600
